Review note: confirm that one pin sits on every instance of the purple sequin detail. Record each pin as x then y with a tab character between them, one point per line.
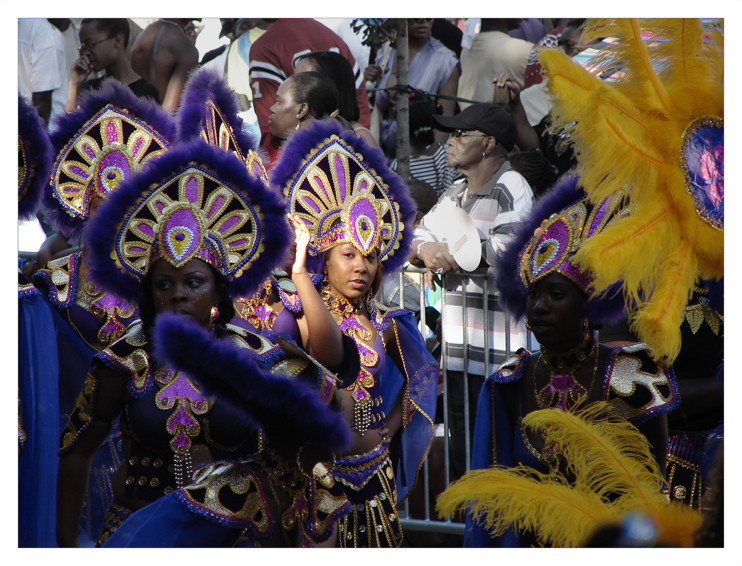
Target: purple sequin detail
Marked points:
599	216
575	274
178	391
111	133
181	223
115	163
362	227
309	203
340	172
114	306
320	182
137	147
217	204
363	471
89	151
77	171
191	192
562	385
228	224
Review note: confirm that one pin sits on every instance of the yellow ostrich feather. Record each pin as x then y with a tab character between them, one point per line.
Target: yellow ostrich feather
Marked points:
607	455
514	498
611	470
630	135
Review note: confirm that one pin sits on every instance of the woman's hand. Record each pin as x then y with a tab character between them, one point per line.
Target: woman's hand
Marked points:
80	70
385	436
506	89
302	236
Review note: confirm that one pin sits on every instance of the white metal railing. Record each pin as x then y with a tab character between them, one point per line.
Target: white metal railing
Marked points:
393	293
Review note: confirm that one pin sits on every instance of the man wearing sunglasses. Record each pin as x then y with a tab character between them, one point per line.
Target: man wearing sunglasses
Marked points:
495	198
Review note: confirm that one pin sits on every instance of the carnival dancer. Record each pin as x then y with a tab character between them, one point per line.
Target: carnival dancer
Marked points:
658	132
538	279
178	239
38	404
354	215
111	135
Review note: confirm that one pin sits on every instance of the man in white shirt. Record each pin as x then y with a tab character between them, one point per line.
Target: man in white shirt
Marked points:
42	66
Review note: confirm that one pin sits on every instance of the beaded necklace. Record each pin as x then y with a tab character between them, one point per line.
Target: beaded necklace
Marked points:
351	324
563	390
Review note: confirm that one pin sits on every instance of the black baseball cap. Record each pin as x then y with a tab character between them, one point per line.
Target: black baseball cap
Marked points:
491	119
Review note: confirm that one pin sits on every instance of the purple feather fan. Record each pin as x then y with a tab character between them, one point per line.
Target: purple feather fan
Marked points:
67	128
290	412
512	293
304	140
102	234
35	153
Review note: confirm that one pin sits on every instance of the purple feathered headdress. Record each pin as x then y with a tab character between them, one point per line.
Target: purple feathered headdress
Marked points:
196	201
209	111
545	243
345	192
110	136
34	159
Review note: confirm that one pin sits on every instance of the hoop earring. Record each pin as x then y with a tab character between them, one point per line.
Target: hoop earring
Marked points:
213	316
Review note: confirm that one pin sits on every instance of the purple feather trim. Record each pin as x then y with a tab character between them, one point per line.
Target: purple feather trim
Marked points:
39	155
67	126
103	229
289	412
304	140
203	85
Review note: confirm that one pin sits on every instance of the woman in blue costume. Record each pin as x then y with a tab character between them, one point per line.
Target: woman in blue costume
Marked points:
537	279
207	113
195	393
351	211
112	135
38	403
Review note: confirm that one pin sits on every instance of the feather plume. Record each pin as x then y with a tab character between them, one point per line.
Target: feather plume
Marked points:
628	135
611	473
520	499
606	454
289	411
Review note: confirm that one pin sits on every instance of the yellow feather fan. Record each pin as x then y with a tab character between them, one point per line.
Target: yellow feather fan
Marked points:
611	471
657	132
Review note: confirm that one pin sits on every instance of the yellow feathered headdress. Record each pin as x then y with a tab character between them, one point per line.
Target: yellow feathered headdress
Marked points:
608	473
657	131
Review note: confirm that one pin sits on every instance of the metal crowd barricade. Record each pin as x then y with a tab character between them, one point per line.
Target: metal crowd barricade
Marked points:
407	289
